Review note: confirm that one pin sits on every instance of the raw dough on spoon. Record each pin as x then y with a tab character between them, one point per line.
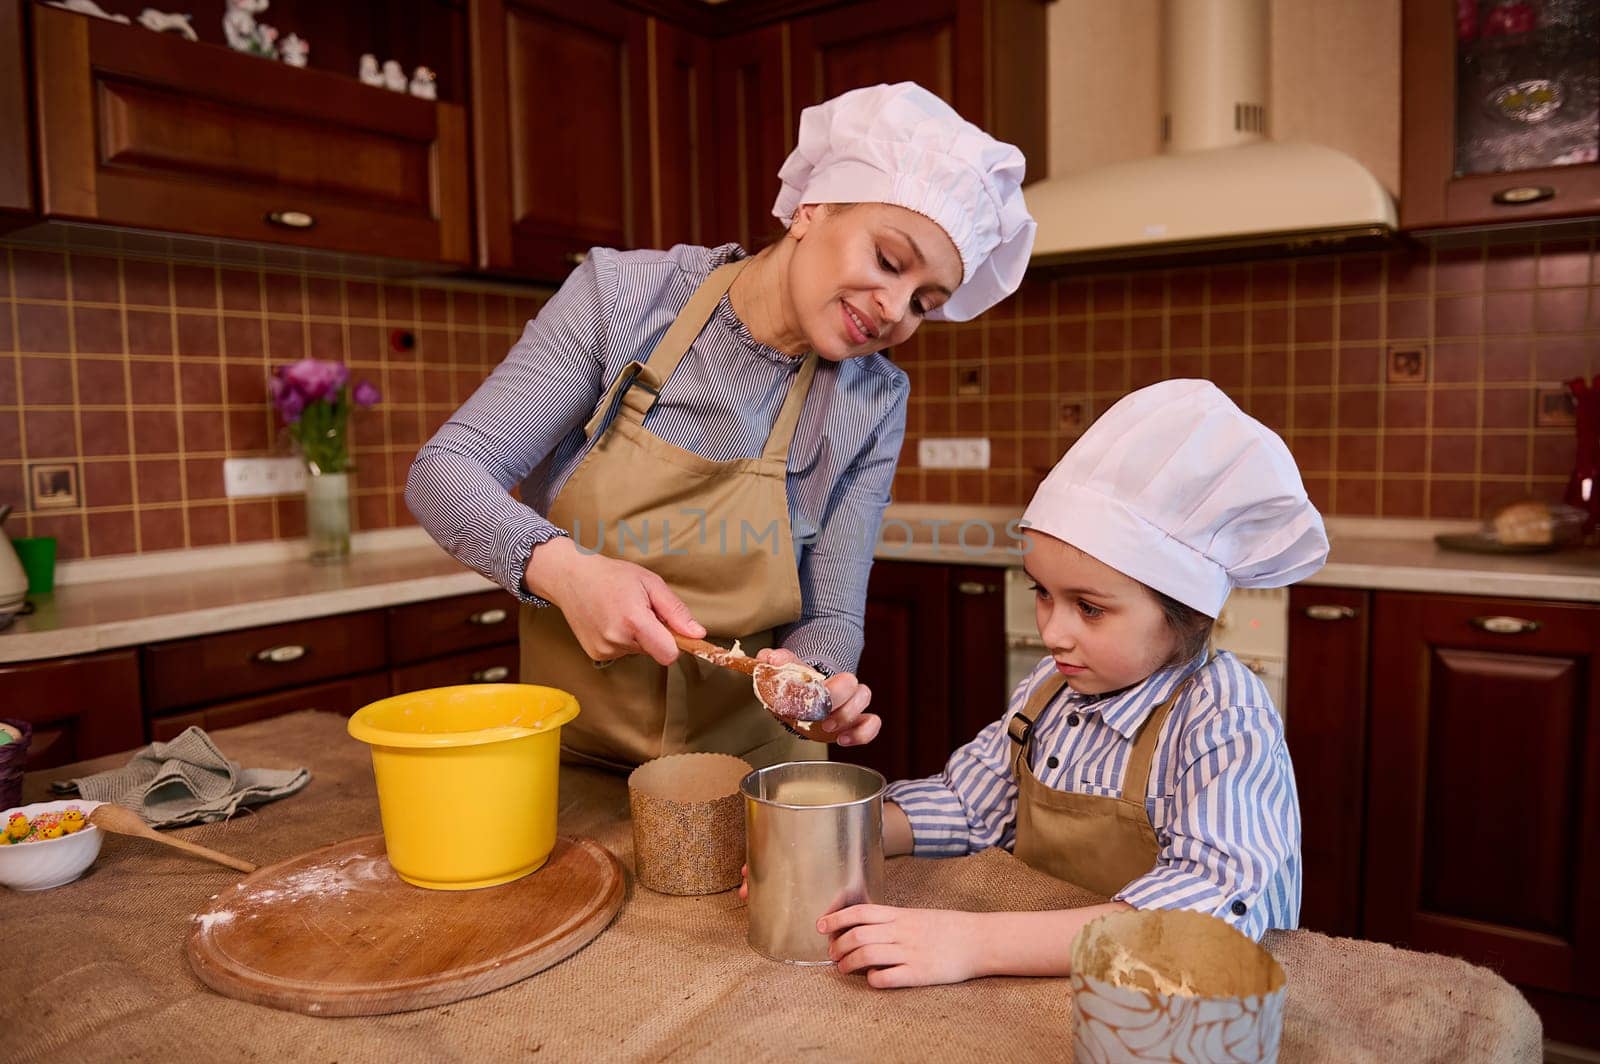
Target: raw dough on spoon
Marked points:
793	693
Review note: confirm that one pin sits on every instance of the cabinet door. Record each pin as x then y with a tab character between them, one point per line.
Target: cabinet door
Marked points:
1484	784
755	130
1499	119
341	696
1326	728
978	690
683	160
79	707
152	131
16	155
985	57
560	127
906	662
864	44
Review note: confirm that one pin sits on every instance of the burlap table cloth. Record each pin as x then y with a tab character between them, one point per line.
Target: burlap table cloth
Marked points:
95	971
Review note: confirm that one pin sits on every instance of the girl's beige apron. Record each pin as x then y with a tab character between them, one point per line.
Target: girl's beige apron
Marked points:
718	534
1092	841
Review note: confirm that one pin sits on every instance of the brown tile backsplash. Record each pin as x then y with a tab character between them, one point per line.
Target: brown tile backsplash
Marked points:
144	372
1405	382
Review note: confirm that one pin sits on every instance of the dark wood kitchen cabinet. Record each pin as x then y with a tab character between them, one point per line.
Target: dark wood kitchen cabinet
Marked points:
1326	733
561	132
1447	753
151	131
935	659
16	147
1483	785
465	639
79	707
1499	121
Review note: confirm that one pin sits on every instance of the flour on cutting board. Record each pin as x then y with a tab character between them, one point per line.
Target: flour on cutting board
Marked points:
353	873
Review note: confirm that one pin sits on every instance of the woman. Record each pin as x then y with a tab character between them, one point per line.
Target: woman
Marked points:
706	440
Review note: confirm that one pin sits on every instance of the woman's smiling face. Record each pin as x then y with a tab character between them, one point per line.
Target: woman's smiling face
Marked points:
1105	630
863	275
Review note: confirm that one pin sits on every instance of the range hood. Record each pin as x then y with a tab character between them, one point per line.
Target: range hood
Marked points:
1220	184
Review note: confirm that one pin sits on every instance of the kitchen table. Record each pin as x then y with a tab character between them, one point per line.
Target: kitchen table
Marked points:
96	970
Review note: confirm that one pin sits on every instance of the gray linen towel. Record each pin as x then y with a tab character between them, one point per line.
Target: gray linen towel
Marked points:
188	781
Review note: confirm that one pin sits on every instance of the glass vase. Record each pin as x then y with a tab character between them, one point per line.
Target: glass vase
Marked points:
328	516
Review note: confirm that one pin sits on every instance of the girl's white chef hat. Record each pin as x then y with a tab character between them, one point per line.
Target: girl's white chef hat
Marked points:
1178	488
901	144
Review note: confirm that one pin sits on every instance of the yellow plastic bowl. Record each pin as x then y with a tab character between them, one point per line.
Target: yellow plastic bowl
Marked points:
467	780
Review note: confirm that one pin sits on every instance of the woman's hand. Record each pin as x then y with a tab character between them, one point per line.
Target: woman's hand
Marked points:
906	947
615	608
850	724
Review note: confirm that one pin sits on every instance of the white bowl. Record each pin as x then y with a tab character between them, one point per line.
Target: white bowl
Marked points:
49	862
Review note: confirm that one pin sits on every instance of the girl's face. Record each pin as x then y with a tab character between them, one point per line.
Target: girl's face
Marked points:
862	277
1105	630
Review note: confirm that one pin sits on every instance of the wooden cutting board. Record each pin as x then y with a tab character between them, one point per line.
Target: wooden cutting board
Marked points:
335	932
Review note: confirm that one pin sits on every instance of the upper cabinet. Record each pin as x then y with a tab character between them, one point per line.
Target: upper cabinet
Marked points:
560	132
986	58
1499	111
16	154
152	131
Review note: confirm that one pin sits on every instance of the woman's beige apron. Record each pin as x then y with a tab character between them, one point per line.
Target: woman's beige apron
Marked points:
1096	842
717	532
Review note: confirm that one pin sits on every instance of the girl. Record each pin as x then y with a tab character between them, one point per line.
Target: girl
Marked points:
705	440
1131	762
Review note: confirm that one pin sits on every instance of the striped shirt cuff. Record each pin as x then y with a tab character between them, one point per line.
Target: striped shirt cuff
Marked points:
938	819
1168	887
834	643
513	543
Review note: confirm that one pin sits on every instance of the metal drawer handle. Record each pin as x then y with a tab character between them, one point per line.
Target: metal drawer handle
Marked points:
493	674
291	219
1330	613
1522	195
576	258
281	655
1505	625
487	617
974	587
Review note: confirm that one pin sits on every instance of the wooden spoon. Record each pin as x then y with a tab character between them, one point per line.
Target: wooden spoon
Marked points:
124	821
793	694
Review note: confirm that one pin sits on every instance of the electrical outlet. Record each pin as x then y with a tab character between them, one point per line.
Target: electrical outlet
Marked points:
262	476
953	453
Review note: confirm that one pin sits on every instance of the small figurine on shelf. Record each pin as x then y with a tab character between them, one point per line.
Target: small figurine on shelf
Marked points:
244	33
162	22
294	50
87	7
394	76
424	83
369	72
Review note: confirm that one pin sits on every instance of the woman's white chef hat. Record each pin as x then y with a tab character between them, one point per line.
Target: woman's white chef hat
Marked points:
901	144
1178	488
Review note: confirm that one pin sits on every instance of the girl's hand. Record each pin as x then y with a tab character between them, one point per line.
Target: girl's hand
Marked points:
614	607
849	724
906	947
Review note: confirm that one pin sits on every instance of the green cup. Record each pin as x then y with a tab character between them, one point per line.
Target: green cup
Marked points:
38	557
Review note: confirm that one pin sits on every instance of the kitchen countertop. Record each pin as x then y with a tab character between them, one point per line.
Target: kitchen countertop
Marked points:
97	968
130	601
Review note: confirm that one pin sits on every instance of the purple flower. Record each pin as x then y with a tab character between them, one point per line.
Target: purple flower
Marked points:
287	398
365	394
315	378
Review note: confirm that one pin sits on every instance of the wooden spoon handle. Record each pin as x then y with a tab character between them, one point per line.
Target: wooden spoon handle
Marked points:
206	852
715	654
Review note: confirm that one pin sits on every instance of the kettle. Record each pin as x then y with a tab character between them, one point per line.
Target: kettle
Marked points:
13	581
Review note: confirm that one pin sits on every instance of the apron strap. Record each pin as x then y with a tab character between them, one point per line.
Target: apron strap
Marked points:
1142	756
669	351
782	435
1041	697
